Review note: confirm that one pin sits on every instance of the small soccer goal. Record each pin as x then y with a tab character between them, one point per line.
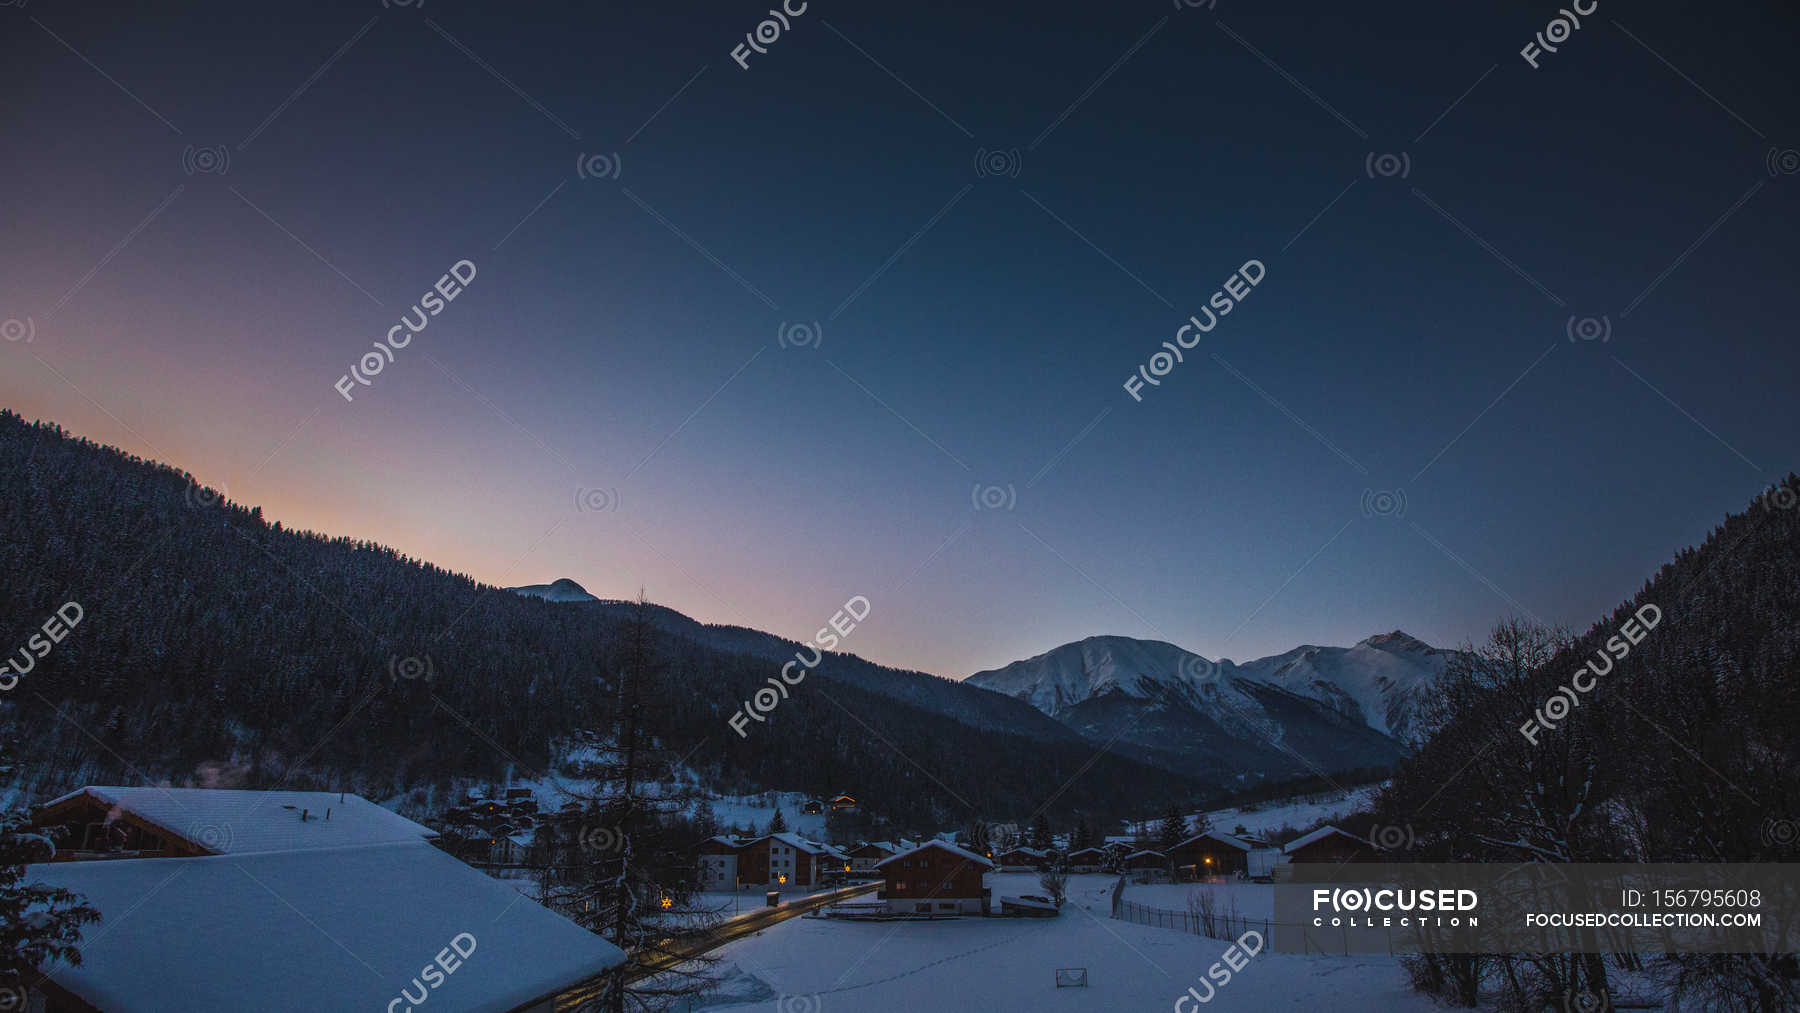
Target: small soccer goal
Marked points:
1071	977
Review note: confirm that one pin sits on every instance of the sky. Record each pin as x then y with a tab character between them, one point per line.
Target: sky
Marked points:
758	332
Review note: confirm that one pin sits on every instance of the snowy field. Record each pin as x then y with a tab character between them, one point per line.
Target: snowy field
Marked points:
1255	901
1298	813
999	965
756	811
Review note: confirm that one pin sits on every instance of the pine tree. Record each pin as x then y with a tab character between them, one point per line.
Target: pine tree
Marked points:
1041	837
633	876
39	924
706	824
1172	831
778	823
1082	836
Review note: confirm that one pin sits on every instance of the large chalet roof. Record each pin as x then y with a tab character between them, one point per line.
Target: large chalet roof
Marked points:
233	822
1320	834
1214	835
796	842
938	846
355	925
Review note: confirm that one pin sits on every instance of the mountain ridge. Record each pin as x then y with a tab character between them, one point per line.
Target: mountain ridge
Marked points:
1114	687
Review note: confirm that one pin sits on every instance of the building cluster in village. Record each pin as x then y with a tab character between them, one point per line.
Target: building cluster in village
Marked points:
946	874
192	878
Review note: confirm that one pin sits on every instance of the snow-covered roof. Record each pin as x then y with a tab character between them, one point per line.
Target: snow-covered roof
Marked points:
1319	835
939	846
1226	839
798	843
236	822
1089	851
1144	854
354	925
1022	850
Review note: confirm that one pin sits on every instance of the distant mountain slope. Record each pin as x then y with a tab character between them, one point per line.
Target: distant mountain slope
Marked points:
1378	681
967	704
1336	707
219	647
561	590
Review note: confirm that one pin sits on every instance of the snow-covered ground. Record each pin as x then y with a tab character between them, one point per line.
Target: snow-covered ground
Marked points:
1255	901
999	965
1299	813
755	811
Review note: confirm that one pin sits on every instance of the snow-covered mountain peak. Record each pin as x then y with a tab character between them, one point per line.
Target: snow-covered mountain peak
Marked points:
560	590
1376	682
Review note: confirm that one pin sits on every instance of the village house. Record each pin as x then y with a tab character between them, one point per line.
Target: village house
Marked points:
1087	860
784	859
1146	866
1021	859
191	882
1210	854
1329	844
719	863
864	856
835	864
935	878
846	804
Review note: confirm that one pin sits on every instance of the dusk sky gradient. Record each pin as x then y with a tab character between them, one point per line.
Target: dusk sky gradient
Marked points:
621	334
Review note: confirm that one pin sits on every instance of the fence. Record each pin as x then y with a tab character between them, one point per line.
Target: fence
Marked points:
1220	924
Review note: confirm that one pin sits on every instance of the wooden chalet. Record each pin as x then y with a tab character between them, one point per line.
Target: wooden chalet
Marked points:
784	859
935	878
1145	865
192	882
99	822
864	856
1329	844
1210	854
1021	859
1088	860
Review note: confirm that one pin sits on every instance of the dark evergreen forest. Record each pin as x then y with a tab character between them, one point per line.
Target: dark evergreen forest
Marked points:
216	645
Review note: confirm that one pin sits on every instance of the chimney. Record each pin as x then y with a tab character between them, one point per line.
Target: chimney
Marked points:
303	815
327	812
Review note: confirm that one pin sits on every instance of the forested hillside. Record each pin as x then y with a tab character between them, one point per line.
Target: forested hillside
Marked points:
1668	732
215	644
